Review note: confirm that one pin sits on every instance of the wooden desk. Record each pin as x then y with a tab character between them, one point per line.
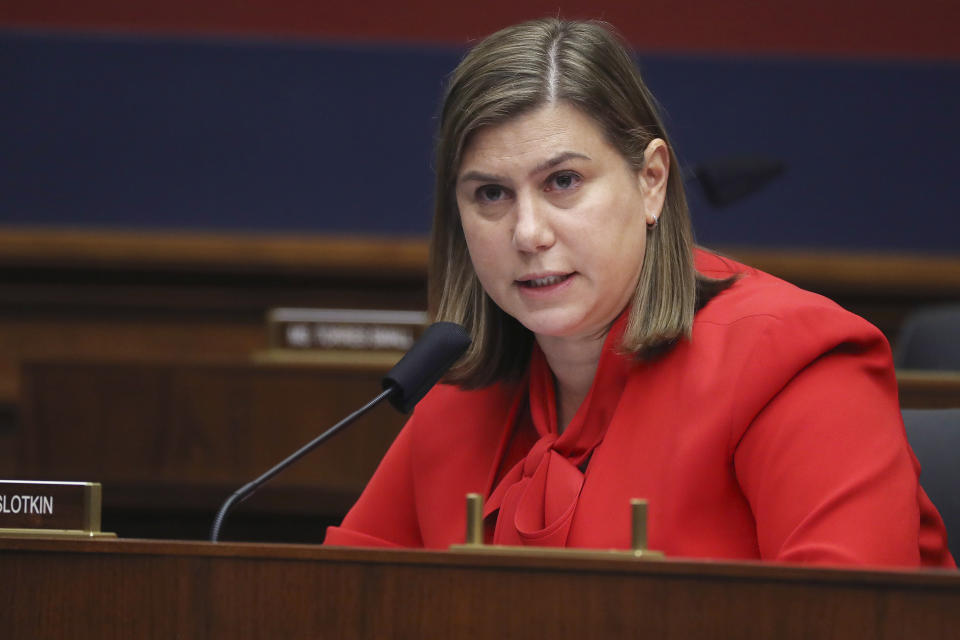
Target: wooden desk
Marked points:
143	589
170	441
187	434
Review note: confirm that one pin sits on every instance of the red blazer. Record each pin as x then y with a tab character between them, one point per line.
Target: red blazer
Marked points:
773	433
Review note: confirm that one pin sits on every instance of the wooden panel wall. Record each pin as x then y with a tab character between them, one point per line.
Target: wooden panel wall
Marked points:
138	352
156	295
189	295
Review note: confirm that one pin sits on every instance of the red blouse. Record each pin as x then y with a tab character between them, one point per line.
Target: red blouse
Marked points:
773	433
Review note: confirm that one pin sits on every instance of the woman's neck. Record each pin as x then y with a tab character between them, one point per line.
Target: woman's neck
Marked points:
574	364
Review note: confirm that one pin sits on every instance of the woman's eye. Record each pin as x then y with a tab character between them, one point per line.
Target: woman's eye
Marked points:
490	193
563	181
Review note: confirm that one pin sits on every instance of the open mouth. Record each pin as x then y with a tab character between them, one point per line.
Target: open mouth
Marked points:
548	281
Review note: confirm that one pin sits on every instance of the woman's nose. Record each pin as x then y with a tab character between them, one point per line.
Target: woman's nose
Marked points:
533	231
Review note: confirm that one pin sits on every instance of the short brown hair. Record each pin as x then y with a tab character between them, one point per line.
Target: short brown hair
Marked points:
513	72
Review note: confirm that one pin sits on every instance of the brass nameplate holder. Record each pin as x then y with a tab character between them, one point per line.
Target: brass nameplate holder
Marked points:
41	509
638	537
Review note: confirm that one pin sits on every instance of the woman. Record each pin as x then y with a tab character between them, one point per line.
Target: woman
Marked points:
611	360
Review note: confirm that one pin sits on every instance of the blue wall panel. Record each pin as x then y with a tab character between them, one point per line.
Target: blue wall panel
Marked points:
217	135
870	148
229	134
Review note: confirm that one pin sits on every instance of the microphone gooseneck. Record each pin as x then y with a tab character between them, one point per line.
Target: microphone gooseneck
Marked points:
441	345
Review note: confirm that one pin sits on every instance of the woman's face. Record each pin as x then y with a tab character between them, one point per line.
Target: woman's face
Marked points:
555	219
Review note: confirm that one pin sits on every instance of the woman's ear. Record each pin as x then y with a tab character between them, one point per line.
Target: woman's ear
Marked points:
653	178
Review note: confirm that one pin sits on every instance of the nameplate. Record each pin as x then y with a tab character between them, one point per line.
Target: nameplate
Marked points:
35	507
344	329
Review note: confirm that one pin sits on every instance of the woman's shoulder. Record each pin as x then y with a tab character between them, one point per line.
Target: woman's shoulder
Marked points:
760	334
456	432
759	298
445	398
767	326
450	412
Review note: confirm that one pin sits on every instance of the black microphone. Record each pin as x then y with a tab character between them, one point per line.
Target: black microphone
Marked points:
441	344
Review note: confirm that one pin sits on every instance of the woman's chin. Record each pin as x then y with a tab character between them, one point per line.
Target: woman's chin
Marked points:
558	324
558	328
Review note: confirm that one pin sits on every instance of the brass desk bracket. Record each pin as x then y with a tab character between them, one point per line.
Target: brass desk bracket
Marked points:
474	538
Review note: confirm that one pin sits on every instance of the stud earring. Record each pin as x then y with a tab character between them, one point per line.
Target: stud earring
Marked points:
653	225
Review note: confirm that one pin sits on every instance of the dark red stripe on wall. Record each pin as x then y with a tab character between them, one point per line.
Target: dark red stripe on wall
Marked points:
860	28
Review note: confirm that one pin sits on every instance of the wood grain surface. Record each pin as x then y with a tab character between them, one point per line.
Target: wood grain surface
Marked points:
142	589
86	293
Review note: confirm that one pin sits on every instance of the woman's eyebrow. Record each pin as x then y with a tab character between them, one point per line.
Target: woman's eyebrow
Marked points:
560	158
477	176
